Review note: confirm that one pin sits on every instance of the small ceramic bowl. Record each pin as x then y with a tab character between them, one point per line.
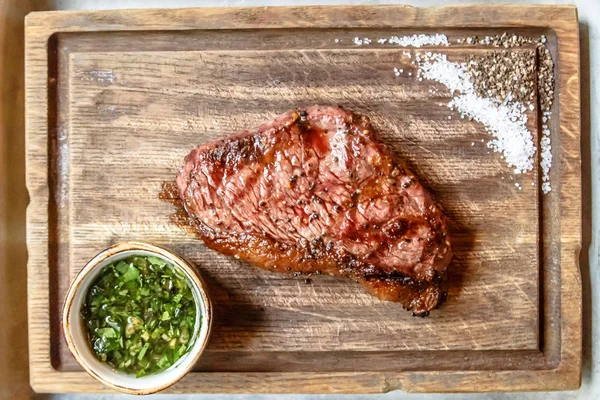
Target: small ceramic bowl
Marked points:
76	335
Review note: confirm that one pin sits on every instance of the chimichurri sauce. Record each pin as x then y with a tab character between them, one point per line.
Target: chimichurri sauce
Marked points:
140	315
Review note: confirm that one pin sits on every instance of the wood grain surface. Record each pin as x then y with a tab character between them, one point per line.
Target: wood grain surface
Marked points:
116	99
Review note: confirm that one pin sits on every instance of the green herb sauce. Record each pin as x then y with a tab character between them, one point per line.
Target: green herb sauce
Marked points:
140	315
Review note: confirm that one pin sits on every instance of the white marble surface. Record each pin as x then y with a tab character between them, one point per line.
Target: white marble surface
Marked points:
589	17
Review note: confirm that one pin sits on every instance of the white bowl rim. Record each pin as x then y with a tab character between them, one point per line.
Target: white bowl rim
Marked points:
103	372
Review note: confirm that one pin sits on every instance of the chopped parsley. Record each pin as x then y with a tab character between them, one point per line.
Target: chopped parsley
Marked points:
140	315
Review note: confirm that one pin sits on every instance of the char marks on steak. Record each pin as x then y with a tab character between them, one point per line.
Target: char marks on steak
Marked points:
314	191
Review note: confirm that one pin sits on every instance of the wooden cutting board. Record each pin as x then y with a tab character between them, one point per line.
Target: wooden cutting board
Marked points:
116	99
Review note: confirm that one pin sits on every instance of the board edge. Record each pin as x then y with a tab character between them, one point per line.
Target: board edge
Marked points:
567	375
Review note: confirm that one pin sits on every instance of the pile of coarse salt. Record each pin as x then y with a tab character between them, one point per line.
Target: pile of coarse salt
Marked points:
546	151
407	41
506	121
420	40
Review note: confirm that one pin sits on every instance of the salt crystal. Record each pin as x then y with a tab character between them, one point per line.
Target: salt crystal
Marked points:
546	187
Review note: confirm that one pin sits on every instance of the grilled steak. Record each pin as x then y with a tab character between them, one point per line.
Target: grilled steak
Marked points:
314	191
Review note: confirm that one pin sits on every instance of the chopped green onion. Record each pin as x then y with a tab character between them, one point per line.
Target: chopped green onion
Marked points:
131	273
143	351
157	261
122	267
139	314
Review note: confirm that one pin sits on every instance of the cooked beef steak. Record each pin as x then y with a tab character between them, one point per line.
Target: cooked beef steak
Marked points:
314	191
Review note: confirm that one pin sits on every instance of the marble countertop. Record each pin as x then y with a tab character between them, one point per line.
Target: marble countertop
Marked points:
589	17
